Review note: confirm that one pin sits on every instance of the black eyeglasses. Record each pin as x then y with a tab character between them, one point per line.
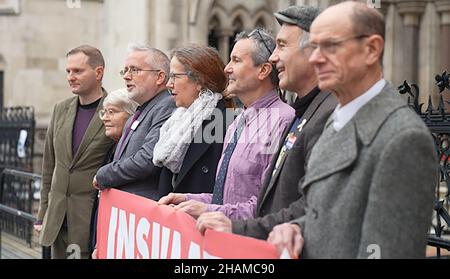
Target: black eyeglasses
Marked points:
134	71
261	38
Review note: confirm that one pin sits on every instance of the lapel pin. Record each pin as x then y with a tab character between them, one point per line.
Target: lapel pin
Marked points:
134	125
300	126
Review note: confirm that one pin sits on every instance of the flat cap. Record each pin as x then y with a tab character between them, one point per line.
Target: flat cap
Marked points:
302	16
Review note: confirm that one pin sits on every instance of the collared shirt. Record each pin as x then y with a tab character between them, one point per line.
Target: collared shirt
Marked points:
342	115
265	121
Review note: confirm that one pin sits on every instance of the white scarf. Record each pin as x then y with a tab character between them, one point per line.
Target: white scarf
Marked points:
177	133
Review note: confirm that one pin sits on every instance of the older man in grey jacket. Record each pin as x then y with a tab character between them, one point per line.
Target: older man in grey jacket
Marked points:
369	182
146	72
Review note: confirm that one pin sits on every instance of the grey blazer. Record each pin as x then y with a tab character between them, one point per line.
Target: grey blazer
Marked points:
369	188
280	189
134	171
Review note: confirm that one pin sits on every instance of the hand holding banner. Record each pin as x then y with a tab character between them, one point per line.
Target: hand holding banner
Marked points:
133	227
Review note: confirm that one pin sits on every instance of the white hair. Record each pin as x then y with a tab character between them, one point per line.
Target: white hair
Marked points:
120	98
137	47
156	58
304	40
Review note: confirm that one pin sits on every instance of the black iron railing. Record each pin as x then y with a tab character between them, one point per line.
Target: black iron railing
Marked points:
19	187
17	125
438	121
18	193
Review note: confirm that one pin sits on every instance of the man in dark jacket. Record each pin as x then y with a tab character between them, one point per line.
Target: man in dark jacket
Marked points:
146	73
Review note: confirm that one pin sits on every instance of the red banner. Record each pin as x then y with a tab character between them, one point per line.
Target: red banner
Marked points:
133	227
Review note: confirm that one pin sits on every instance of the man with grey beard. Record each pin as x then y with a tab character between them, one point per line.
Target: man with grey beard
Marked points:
146	73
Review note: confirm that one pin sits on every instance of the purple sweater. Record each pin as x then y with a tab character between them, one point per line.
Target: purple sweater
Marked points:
265	122
82	120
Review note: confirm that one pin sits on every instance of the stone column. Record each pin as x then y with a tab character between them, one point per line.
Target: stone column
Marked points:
384	7
224	45
443	7
283	4
411	12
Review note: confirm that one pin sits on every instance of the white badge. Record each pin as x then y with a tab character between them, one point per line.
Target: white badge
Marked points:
21	153
134	125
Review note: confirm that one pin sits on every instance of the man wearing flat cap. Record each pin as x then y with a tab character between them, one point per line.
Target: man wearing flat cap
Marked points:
366	196
279	198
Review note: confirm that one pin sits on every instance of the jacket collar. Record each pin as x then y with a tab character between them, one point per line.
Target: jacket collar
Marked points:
145	108
371	116
93	129
360	130
318	98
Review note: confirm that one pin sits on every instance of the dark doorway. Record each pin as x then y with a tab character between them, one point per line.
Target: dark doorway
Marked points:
1	89
213	39
213	36
238	27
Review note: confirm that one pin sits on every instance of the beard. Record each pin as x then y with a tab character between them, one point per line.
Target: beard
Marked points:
135	93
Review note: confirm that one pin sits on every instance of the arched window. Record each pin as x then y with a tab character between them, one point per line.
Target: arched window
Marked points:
238	24
238	27
213	35
261	23
228	20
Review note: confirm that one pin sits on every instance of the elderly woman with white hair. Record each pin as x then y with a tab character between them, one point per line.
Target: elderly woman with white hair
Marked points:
117	108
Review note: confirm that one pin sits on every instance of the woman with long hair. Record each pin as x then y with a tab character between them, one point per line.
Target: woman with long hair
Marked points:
191	141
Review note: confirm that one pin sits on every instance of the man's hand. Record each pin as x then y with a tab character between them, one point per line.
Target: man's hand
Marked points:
38	228
193	208
172	198
215	221
287	236
95	184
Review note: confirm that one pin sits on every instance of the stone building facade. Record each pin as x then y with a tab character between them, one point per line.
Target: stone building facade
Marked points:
36	34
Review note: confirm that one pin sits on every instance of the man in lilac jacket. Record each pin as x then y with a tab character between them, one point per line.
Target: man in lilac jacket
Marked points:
251	139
